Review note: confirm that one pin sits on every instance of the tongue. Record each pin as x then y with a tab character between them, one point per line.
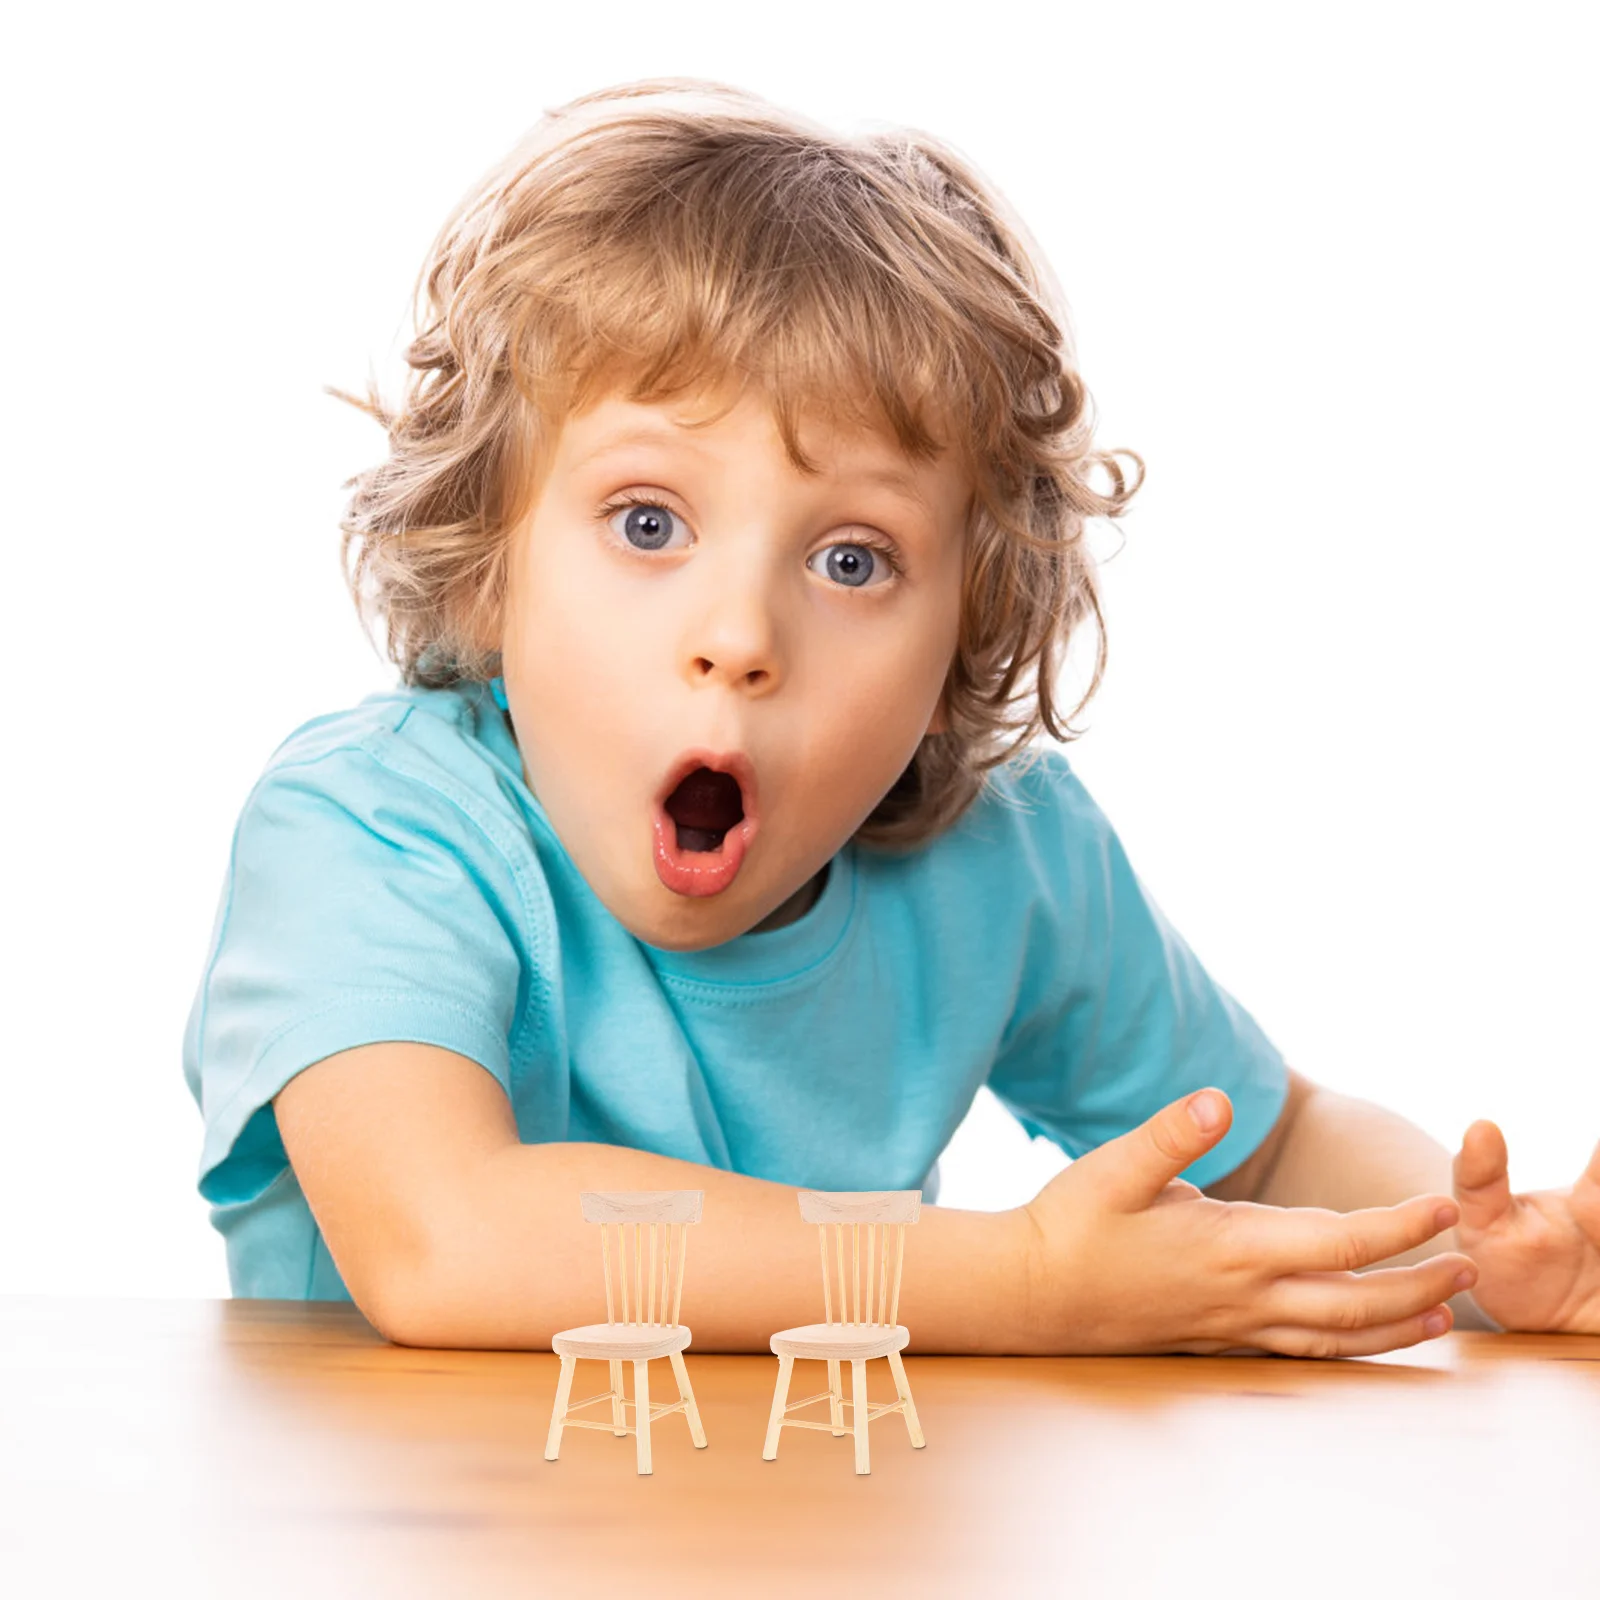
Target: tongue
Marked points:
699	838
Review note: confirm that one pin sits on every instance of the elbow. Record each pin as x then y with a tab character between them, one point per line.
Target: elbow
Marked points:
437	1304
404	1311
402	1317
399	1298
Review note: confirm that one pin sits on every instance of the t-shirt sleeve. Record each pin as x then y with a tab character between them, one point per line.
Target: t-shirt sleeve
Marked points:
360	906
1117	1016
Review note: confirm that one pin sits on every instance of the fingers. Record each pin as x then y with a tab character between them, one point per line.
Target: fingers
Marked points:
1326	1343
1131	1172
1482	1184
1305	1239
1334	1302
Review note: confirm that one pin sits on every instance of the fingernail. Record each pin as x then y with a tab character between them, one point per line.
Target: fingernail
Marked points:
1465	1278
1435	1323
1206	1110
1445	1217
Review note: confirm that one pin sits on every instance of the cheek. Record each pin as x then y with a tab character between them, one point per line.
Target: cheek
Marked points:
878	712
564	631
928	648
554	673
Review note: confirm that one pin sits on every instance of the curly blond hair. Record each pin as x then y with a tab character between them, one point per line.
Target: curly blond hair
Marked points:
673	235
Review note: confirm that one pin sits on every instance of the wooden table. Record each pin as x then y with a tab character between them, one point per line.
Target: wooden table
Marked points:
261	1447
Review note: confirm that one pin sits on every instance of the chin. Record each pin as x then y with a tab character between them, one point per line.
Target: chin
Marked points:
682	928
685	946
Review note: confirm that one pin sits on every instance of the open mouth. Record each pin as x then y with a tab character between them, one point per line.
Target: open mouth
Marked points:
705	821
703	807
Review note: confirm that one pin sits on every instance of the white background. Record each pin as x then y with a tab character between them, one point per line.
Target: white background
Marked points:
1333	273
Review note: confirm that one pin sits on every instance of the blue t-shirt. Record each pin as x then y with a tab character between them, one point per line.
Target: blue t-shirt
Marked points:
393	878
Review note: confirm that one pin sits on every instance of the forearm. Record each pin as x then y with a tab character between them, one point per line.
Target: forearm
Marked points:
511	1261
1346	1154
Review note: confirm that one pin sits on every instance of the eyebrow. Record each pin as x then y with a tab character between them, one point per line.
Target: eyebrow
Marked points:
896	479
638	435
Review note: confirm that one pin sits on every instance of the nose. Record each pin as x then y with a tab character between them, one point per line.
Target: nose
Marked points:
735	637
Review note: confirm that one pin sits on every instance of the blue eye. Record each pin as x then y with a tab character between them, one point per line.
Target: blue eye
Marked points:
853	566
646	526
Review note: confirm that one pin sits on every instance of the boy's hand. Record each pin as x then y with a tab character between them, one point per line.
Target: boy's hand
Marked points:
1538	1255
1128	1257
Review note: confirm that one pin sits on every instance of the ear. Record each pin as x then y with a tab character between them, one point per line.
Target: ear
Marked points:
939	722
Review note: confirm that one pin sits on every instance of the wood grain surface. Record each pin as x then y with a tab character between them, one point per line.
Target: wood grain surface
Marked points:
260	1447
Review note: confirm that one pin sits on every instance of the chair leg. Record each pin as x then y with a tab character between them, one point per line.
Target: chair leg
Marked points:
835	1400
858	1413
552	1445
903	1388
619	1419
686	1394
780	1398
641	1406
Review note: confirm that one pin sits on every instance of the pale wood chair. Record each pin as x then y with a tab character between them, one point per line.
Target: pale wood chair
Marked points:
863	1330
642	1333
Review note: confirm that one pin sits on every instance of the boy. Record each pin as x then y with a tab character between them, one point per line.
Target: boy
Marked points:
729	542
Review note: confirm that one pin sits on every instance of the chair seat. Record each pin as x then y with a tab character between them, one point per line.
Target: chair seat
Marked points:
621	1341
840	1341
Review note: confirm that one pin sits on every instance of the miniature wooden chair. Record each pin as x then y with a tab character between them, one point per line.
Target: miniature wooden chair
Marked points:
642	1333
853	1337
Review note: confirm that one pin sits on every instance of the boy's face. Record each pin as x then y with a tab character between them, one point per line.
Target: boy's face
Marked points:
739	617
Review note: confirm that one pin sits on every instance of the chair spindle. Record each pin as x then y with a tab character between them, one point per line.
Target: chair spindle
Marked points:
605	1256
899	1261
827	1291
838	1251
890	1233
666	1269
638	1272
623	1274
855	1272
650	1304
683	1256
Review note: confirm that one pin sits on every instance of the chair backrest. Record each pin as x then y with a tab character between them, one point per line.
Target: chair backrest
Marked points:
884	1214
667	1212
